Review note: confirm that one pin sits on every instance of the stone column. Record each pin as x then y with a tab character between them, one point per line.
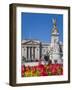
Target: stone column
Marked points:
32	54
29	53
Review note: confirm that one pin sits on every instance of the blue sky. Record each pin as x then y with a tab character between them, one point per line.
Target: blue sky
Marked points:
39	26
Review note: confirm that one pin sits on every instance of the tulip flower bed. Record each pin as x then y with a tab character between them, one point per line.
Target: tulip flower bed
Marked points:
42	70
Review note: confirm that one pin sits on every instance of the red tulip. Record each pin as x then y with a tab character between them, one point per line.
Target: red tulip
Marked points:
53	71
50	67
43	74
33	69
41	67
43	70
27	68
22	70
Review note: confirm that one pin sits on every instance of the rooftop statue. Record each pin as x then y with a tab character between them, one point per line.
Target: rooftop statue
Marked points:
54	30
54	21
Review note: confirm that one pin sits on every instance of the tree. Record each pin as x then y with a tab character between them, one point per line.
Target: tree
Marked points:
46	58
23	59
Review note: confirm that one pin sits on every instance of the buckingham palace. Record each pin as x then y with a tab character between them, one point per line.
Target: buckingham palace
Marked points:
34	50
